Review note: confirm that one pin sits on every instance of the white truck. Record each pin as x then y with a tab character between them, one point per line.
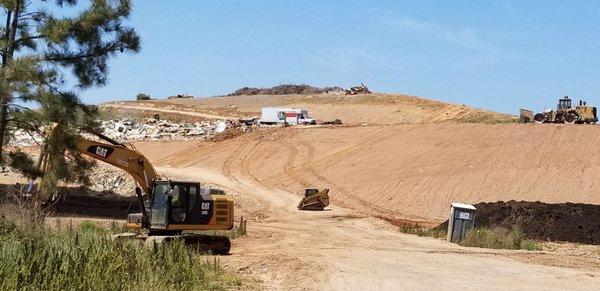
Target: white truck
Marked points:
293	116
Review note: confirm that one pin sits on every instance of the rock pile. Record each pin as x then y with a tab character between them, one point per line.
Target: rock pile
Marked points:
107	179
152	129
180	96
149	129
21	138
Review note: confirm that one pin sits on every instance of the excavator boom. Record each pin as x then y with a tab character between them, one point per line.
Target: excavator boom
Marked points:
127	159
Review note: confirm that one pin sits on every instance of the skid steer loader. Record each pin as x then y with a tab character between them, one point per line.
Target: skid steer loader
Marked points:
314	199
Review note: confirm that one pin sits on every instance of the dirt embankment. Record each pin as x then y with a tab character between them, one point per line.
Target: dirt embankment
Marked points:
286	248
571	222
373	109
410	171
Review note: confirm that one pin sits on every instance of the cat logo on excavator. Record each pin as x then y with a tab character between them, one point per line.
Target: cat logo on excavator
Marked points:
314	199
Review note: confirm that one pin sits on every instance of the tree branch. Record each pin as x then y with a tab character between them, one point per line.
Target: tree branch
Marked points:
20	106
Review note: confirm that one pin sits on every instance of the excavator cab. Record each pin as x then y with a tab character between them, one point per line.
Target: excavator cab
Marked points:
177	206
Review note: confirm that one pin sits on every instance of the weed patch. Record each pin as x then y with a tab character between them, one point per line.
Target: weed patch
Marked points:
87	259
499	238
423	231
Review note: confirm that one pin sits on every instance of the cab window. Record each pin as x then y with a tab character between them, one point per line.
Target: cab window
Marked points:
175	199
193	190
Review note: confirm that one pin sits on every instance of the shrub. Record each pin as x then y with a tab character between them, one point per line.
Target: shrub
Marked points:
423	231
498	238
87	259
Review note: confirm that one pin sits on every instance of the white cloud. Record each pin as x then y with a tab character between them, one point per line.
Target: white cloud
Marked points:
349	58
463	37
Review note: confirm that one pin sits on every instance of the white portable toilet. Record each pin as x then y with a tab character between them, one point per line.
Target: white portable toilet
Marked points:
462	219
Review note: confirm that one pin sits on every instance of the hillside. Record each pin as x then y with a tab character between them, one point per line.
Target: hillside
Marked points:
408	171
373	109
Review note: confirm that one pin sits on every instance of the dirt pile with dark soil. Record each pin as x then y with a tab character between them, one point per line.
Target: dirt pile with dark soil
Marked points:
80	201
570	222
285	90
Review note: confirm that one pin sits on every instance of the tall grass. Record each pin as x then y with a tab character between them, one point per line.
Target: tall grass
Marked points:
88	259
499	238
423	231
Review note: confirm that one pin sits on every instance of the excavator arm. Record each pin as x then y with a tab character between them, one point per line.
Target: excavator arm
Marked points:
123	157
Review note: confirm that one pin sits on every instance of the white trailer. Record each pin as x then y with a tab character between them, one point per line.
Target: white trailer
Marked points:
293	116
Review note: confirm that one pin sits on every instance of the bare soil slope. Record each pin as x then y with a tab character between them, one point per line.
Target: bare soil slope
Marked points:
413	171
358	109
339	248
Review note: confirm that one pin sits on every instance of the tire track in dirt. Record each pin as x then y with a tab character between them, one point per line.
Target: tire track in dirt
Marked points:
226	167
342	192
246	161
288	168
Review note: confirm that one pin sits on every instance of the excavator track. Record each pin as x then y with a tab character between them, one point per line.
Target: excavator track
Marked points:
201	243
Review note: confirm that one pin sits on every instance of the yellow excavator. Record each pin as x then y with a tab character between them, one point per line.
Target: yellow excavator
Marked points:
170	209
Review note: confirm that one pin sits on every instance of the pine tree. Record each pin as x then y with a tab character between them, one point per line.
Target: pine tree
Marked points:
40	49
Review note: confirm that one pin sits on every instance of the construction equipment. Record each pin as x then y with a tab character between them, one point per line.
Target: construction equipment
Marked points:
565	113
314	199
525	115
169	208
361	89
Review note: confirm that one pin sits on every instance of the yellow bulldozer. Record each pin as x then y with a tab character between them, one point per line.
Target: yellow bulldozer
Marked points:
314	199
565	113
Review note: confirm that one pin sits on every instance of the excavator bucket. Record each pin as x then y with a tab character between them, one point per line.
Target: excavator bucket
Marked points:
314	199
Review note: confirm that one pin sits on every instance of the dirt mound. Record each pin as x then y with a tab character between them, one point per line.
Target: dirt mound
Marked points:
371	109
572	222
285	90
80	201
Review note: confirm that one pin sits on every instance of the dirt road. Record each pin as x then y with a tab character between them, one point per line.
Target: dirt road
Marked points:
336	249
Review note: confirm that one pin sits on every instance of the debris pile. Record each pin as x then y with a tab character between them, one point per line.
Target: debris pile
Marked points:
180	96
332	122
361	89
148	129
285	90
525	115
152	129
106	179
23	138
572	222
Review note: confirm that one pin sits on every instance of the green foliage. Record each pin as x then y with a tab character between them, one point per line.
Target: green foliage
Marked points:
423	231
88	226
499	238
40	48
233	233
531	245
23	163
142	96
87	259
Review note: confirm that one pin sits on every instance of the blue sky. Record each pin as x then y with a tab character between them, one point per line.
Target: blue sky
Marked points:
498	55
